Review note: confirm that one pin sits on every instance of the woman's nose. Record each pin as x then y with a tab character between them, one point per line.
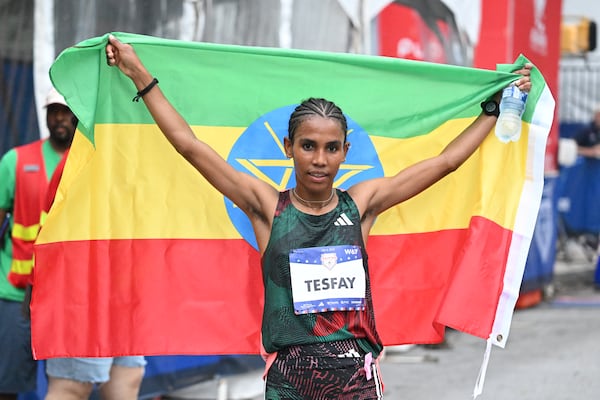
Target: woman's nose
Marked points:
319	157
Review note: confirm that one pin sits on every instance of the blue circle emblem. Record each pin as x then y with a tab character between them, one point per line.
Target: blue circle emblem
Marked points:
259	151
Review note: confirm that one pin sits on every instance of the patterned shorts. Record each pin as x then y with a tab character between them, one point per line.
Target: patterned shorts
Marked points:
334	370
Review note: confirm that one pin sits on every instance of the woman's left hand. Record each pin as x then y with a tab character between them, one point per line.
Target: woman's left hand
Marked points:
524	83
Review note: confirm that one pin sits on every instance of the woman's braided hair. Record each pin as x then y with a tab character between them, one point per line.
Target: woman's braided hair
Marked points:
316	107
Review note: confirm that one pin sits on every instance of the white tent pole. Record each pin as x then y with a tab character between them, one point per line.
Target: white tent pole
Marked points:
285	23
365	22
43	56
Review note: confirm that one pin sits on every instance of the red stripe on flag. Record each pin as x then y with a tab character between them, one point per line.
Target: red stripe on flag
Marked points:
146	297
450	277
166	297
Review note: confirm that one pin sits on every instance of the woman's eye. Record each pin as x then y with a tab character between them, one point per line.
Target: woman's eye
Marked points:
307	146
333	149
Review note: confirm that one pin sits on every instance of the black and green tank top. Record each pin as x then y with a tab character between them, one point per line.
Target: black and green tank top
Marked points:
293	229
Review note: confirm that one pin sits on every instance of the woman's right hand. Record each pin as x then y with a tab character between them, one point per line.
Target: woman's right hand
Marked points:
124	57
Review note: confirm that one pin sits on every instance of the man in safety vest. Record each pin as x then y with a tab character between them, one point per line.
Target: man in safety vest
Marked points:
24	175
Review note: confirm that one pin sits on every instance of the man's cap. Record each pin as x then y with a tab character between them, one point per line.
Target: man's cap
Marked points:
54	97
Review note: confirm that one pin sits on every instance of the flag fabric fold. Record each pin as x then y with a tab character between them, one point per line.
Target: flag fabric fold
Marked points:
140	255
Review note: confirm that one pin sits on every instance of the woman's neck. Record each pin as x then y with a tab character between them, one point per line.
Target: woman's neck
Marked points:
314	207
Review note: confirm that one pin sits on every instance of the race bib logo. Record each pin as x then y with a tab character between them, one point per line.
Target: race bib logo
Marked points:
259	151
329	260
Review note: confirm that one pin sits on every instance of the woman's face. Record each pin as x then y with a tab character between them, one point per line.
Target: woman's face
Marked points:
318	150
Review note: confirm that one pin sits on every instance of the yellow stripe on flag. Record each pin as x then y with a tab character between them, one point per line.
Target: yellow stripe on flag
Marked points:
173	188
491	179
169	199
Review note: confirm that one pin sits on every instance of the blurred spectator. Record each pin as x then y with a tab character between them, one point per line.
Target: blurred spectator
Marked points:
588	139
24	175
588	145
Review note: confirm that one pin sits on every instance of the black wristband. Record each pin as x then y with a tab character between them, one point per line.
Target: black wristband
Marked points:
145	90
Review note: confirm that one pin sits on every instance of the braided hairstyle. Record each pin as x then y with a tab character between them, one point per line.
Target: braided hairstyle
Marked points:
316	107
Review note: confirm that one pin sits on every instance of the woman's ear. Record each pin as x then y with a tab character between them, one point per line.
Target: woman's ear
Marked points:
346	148
287	145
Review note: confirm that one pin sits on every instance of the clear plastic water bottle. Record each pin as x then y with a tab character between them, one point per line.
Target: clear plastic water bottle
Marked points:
508	125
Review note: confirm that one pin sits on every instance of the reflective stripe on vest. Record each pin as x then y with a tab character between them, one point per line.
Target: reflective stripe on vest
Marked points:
31	183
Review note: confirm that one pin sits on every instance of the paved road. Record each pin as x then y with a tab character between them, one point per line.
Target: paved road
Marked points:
553	353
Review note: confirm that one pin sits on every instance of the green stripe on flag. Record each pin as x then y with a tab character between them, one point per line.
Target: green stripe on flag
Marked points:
387	96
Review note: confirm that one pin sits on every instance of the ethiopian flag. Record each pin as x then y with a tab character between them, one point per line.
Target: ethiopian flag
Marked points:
140	255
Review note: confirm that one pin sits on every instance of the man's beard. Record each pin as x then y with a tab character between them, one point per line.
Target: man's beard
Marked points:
61	140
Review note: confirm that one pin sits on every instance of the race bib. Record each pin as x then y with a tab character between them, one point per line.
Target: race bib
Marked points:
327	279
